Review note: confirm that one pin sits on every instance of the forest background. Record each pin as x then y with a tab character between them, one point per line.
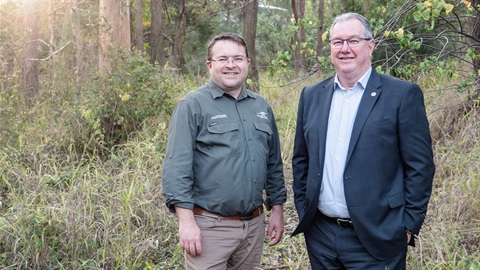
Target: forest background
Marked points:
87	89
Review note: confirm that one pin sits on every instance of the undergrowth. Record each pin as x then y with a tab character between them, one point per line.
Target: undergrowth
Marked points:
71	200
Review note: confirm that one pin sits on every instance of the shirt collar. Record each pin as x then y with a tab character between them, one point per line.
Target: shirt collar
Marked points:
361	82
218	92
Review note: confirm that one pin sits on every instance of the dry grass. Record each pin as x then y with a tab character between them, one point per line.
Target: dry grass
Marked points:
67	208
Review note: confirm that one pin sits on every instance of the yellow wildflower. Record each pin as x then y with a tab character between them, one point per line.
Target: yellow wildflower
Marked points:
399	32
125	97
428	4
468	4
448	8
324	36
87	114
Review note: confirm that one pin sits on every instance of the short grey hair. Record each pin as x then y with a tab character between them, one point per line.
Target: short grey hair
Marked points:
367	28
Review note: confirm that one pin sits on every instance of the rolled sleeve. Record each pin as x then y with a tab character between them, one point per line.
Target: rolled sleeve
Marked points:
177	174
275	185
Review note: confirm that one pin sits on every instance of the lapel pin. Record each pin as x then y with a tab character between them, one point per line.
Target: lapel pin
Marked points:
373	94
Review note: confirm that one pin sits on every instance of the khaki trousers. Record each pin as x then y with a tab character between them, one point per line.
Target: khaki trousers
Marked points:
229	244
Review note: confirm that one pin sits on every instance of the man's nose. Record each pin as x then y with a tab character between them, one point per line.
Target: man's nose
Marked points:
345	46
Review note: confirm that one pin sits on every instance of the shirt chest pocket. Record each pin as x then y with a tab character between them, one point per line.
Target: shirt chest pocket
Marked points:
263	135
224	139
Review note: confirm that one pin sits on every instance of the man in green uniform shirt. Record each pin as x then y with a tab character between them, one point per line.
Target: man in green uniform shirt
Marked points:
223	153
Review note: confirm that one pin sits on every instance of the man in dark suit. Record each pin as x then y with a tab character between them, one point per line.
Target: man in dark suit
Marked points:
362	162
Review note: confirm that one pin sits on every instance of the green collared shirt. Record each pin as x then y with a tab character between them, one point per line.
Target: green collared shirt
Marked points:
222	153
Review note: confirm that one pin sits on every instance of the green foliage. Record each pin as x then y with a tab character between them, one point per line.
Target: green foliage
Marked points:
80	170
472	54
119	103
283	59
272	28
201	29
106	214
10	91
9	100
431	10
62	208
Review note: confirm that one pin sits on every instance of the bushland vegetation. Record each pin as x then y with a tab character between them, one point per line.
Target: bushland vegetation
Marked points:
81	160
72	200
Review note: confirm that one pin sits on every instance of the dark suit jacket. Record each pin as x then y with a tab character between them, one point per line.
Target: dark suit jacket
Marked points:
389	168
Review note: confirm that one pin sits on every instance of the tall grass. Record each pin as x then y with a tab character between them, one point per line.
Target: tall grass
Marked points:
86	213
64	206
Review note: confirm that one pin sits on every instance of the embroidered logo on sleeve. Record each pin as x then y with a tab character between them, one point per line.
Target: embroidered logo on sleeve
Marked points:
262	115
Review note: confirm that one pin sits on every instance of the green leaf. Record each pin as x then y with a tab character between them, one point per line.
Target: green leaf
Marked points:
417	15
432	26
426	14
448	8
421	6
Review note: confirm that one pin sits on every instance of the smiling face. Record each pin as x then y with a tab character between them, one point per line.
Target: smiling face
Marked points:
231	75
350	63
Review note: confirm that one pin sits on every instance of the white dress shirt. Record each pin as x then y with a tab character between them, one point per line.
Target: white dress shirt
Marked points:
343	111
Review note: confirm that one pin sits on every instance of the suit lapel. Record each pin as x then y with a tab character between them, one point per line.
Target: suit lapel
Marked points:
324	102
369	98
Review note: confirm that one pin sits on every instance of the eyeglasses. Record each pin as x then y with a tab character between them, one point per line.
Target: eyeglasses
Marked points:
352	42
225	60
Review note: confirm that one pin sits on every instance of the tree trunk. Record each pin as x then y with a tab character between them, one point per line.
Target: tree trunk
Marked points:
475	32
299	37
156	40
30	54
180	37
51	26
366	6
229	14
296	41
114	30
138	6
50	82
303	36
79	65
250	11
321	13
344	6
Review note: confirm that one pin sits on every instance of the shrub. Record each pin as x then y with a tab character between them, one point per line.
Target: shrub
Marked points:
117	104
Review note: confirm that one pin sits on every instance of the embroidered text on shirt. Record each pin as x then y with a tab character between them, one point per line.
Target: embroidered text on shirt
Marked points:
219	116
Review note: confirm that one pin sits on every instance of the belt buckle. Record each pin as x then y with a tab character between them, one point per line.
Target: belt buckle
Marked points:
245	217
341	222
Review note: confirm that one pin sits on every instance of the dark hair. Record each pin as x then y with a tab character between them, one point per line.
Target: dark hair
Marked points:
226	36
367	28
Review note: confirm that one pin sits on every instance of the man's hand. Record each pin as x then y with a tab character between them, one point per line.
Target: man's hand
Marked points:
189	232
275	225
409	236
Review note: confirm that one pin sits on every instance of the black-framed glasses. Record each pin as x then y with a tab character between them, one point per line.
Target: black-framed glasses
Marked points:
225	60
352	42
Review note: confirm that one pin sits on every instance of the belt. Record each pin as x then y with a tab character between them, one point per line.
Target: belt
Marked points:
247	216
342	222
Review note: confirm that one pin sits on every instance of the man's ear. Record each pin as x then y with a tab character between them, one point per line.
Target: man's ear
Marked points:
371	46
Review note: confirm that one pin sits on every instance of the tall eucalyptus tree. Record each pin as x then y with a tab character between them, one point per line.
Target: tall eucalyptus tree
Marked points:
30	53
114	30
250	16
